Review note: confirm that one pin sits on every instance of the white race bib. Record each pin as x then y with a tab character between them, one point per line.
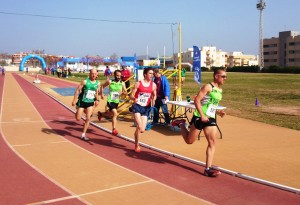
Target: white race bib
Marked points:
211	111
90	94
114	96
143	98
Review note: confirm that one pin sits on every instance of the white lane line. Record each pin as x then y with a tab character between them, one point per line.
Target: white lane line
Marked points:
60	142
24	145
19	121
21	145
94	192
27	161
93	154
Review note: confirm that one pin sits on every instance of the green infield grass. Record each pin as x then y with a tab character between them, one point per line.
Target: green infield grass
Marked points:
263	97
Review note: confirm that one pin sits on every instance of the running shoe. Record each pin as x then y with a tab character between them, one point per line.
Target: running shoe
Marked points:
177	122
211	172
84	138
99	116
115	132
137	149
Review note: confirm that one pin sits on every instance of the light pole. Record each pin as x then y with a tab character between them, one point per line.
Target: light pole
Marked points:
261	5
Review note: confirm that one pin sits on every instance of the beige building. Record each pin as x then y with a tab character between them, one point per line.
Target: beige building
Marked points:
239	59
282	51
17	58
211	57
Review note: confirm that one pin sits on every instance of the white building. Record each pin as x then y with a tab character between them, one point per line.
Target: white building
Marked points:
210	57
213	57
240	59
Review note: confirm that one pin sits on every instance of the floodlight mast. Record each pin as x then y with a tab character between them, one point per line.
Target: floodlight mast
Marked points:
261	5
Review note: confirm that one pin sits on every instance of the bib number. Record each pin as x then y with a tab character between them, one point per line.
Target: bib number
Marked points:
211	111
90	94
114	96
143	99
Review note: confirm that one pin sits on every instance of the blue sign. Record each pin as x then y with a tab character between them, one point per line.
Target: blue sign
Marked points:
197	65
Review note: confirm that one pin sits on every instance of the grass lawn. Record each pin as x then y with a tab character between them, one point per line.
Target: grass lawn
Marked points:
278	96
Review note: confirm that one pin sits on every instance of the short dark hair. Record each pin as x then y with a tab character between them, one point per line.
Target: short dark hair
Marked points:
217	70
116	71
146	70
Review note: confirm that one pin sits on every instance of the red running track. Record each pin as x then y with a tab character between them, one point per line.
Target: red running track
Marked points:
20	183
168	170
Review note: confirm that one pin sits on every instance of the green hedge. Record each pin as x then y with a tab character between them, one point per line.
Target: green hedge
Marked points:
277	69
271	69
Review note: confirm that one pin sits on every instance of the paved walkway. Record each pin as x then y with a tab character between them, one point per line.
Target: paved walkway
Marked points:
107	171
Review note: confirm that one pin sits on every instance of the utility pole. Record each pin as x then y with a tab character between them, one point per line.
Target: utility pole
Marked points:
261	5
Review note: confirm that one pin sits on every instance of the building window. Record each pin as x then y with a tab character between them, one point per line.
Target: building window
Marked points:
270	60
270	46
297	59
270	53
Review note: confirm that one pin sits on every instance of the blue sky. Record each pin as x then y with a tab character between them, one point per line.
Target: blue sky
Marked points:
231	25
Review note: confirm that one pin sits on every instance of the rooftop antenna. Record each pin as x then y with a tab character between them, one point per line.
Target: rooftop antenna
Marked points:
261	5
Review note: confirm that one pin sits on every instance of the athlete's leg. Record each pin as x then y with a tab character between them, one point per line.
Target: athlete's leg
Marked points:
144	120
89	111
210	134
189	136
114	118
138	121
79	113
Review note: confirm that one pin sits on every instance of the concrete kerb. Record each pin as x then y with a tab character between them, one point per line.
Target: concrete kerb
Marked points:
229	172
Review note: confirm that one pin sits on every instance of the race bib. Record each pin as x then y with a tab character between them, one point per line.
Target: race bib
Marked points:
90	94
143	98
211	111
114	96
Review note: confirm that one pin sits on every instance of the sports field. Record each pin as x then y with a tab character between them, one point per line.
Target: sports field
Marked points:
278	96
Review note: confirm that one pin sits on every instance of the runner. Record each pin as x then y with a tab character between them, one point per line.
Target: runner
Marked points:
86	97
206	103
3	71
144	96
116	88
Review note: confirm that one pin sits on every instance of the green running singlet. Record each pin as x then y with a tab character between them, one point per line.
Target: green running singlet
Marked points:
210	102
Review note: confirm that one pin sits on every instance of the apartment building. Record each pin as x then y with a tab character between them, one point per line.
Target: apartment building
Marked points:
212	57
282	51
17	57
239	59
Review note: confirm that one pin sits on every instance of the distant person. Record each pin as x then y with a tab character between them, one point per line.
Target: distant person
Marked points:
125	77
69	72
116	89
53	71
183	74
174	77
204	117
107	72
86	98
59	72
3	71
144	95
163	95
26	69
